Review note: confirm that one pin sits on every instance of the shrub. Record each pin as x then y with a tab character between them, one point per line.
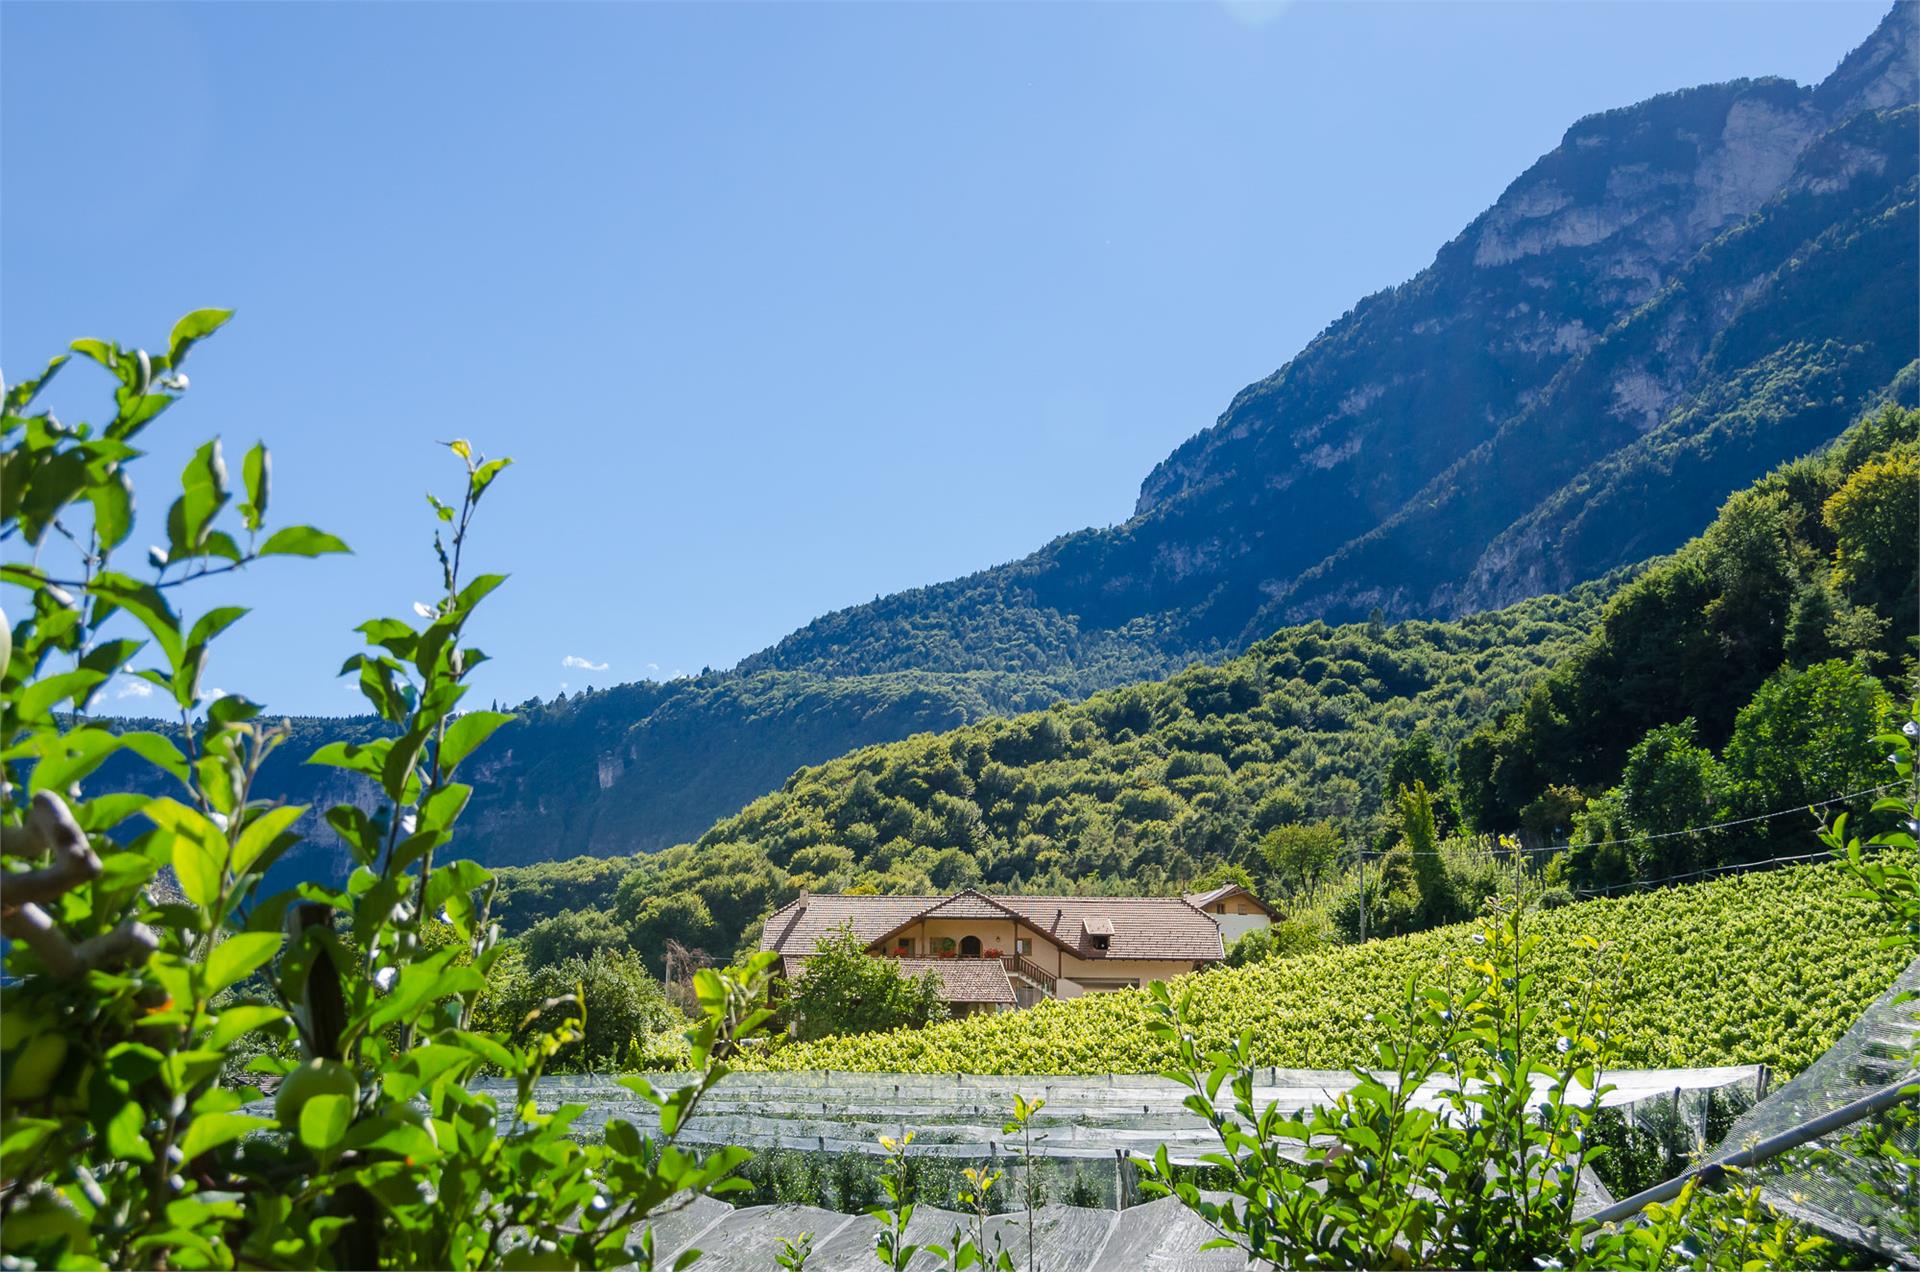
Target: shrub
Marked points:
845	990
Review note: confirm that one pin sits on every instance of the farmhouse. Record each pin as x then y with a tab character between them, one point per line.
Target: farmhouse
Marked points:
992	953
1236	910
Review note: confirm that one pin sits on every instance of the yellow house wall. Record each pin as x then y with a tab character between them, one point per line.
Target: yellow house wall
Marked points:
993	933
1000	933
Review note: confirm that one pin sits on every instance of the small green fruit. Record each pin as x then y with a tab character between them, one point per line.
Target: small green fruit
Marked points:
35	1068
315	1077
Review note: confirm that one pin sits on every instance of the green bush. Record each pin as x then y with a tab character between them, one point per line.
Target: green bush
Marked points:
845	990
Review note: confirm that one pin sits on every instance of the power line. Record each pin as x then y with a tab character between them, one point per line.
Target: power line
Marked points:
1665	834
1826	854
1743	821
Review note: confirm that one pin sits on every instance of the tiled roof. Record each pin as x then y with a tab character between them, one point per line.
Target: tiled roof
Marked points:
962	980
798	926
1141	927
1201	900
966	905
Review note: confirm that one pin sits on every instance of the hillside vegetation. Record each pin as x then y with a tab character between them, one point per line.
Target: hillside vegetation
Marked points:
1140	789
1765	968
1764	633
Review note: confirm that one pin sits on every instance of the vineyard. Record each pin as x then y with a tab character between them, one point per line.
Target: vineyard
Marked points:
1755	969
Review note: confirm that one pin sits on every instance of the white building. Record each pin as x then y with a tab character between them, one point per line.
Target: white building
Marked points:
1236	910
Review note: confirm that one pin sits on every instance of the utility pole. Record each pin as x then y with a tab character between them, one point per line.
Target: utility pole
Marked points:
1363	896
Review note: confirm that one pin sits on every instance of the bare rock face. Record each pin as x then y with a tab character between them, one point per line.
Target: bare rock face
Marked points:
1882	74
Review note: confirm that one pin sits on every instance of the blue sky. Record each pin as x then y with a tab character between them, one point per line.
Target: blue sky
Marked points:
777	307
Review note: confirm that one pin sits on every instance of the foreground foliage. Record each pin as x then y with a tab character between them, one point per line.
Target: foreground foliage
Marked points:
1764	968
1490	1177
152	976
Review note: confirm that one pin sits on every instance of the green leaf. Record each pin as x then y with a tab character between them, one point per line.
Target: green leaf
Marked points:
324	1120
441	809
112	499
124	1133
473	593
238	957
232	708
487	1049
21	395
198	868
261	832
483	477
42	696
20	1136
420	984
392	1135
191	330
301	541
198	851
158	751
211	1130
241	1019
213	622
145	603
66	758
466	734
366	758
258	471
203	492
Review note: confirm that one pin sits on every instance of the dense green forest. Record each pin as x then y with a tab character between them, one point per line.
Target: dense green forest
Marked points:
1813	568
1765	639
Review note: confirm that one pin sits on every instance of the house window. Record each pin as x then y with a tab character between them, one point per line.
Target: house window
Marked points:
1102	941
1023	945
903	947
1220	908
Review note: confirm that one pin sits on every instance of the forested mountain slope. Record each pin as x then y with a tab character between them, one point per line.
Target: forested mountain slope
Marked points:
1766	636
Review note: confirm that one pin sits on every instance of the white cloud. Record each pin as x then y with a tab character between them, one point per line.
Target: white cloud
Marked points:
584	664
131	688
